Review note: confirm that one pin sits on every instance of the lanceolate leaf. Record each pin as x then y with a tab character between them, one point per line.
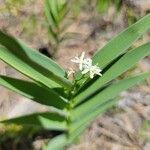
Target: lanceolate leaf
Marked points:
50	21
21	48
63	10
77	127
57	143
53	9
45	120
33	91
24	68
123	64
48	13
30	62
108	93
121	42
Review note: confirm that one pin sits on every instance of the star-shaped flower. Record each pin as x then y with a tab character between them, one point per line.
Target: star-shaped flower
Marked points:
87	63
93	70
79	60
85	66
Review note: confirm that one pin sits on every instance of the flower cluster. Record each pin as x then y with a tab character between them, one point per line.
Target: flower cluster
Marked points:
86	66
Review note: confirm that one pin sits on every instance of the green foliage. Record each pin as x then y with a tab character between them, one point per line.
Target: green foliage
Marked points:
56	12
46	120
74	108
59	15
26	60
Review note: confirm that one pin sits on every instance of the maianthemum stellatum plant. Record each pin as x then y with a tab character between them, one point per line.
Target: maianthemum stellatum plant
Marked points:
55	12
93	90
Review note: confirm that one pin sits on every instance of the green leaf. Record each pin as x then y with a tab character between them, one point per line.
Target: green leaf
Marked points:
58	9
108	93
62	8
121	42
54	11
57	143
31	63
48	13
50	22
127	61
24	68
33	91
77	127
46	120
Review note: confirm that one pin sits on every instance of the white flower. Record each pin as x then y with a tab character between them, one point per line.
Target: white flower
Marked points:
71	71
87	63
79	60
85	66
93	70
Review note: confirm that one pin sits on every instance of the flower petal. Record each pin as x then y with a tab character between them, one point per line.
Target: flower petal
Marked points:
82	55
80	67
